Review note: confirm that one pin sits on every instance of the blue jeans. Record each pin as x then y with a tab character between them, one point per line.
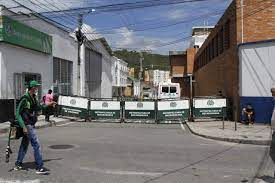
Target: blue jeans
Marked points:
32	137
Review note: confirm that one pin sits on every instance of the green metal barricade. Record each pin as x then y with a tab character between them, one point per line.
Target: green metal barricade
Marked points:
73	106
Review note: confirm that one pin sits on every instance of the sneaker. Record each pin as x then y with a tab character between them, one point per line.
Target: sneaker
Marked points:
41	171
18	167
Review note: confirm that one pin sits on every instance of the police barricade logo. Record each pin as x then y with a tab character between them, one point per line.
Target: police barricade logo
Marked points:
72	101
105	105
173	104
139	105
210	102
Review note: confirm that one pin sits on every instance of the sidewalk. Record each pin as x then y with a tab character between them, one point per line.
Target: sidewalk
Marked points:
41	123
257	134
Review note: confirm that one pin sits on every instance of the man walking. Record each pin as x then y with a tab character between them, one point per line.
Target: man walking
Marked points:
26	117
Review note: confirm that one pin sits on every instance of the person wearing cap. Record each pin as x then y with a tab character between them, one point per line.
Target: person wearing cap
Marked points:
26	115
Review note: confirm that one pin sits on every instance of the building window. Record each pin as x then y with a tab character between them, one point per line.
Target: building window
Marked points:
221	41
227	35
62	76
212	55
216	46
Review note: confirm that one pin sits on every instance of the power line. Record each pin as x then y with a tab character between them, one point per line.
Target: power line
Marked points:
43	17
46	8
125	6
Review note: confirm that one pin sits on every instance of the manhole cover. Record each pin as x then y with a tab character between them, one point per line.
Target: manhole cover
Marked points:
62	146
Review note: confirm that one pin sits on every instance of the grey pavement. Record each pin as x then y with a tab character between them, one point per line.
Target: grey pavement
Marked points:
137	153
258	134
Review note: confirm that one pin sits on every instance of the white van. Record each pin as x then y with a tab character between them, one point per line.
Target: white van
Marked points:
168	90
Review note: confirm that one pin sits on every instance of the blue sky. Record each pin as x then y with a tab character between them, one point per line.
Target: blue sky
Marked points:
146	28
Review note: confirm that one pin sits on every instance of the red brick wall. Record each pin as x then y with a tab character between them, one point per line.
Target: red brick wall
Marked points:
220	72
258	20
178	64
191	52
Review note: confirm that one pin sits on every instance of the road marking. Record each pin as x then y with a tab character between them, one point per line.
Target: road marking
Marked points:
66	124
19	181
182	126
226	176
121	172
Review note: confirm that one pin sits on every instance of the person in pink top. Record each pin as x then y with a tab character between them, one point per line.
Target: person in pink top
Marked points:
49	97
48	100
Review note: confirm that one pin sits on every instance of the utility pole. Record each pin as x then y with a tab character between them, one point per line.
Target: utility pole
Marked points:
140	73
80	38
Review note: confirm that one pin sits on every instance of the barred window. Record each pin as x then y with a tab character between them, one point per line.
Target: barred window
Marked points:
62	76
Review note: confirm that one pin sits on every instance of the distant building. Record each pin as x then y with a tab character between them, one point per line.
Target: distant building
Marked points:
199	35
120	73
181	64
146	77
158	76
133	88
132	72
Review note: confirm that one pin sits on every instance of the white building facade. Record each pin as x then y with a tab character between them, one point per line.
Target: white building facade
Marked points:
257	77
32	48
159	76
120	73
199	35
96	66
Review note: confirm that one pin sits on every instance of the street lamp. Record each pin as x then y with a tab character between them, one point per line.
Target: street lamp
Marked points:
141	58
80	39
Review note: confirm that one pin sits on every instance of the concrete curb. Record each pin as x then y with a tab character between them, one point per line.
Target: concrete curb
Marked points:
235	140
44	125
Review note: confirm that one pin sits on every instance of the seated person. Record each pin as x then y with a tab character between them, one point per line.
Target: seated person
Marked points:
248	114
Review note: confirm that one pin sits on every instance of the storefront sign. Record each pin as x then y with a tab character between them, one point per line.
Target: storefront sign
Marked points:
139	110
173	109
14	32
209	107
73	106
105	109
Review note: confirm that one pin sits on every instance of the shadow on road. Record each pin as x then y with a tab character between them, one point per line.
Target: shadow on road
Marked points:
32	165
267	178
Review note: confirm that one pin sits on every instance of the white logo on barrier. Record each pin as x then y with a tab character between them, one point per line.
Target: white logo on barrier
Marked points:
210	102
173	104
139	105
105	105
72	101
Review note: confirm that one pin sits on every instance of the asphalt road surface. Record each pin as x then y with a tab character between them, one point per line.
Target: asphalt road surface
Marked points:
136	153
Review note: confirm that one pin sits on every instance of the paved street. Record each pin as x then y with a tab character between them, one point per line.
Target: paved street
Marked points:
137	153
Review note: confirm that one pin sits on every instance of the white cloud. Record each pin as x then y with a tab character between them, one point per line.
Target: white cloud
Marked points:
177	14
125	38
